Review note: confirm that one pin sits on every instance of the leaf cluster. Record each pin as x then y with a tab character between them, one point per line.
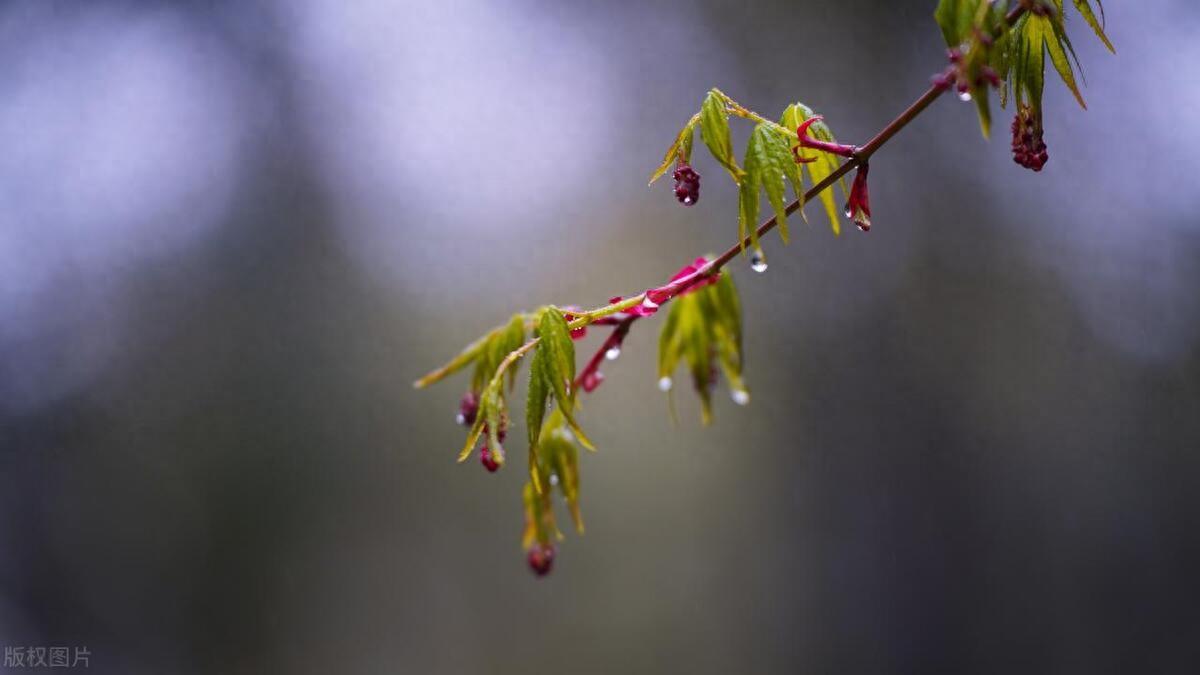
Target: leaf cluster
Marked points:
767	163
1018	55
703	331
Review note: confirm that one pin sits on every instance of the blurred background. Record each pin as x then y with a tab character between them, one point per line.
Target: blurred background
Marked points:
233	233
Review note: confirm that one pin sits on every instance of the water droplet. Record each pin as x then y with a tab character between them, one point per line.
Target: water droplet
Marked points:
687	200
649	304
612	353
758	261
964	96
460	418
740	396
848	211
554	479
664	384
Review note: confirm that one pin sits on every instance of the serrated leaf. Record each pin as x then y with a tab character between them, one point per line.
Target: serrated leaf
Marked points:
1085	10
559	366
983	107
955	18
680	150
465	358
1030	66
767	154
1058	55
748	209
562	457
535	402
714	131
473	435
511	340
823	164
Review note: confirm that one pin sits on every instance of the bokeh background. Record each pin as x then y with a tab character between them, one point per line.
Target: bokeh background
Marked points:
233	233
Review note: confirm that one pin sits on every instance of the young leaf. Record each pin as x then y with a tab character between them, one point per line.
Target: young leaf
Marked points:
559	366
680	150
703	330
1058	55
1085	10
955	18
767	156
714	130
465	358
535	403
748	208
563	459
823	164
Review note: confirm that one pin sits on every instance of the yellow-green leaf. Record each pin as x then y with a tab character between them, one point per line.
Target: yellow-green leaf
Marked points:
714	131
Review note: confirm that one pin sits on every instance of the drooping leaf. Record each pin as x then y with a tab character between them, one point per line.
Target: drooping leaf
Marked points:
535	404
703	330
767	156
466	357
714	131
1085	10
955	18
680	150
1054	39
559	365
823	164
748	209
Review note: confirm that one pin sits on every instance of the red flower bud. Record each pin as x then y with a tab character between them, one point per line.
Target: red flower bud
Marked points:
859	205
1028	146
541	559
687	185
468	407
488	460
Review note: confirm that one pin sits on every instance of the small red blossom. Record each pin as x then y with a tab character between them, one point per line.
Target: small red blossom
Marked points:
807	141
859	205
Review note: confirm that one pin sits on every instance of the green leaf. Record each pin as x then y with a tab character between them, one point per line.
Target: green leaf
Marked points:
1085	10
748	209
473	435
465	358
983	107
955	18
559	366
1058	45
680	150
535	402
511	340
562	457
704	330
823	165
714	130
767	155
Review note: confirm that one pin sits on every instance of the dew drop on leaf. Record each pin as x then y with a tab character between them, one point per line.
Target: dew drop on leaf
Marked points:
964	96
664	384
740	396
612	353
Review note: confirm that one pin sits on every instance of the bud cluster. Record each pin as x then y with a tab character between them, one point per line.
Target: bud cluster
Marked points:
1028	146
687	184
